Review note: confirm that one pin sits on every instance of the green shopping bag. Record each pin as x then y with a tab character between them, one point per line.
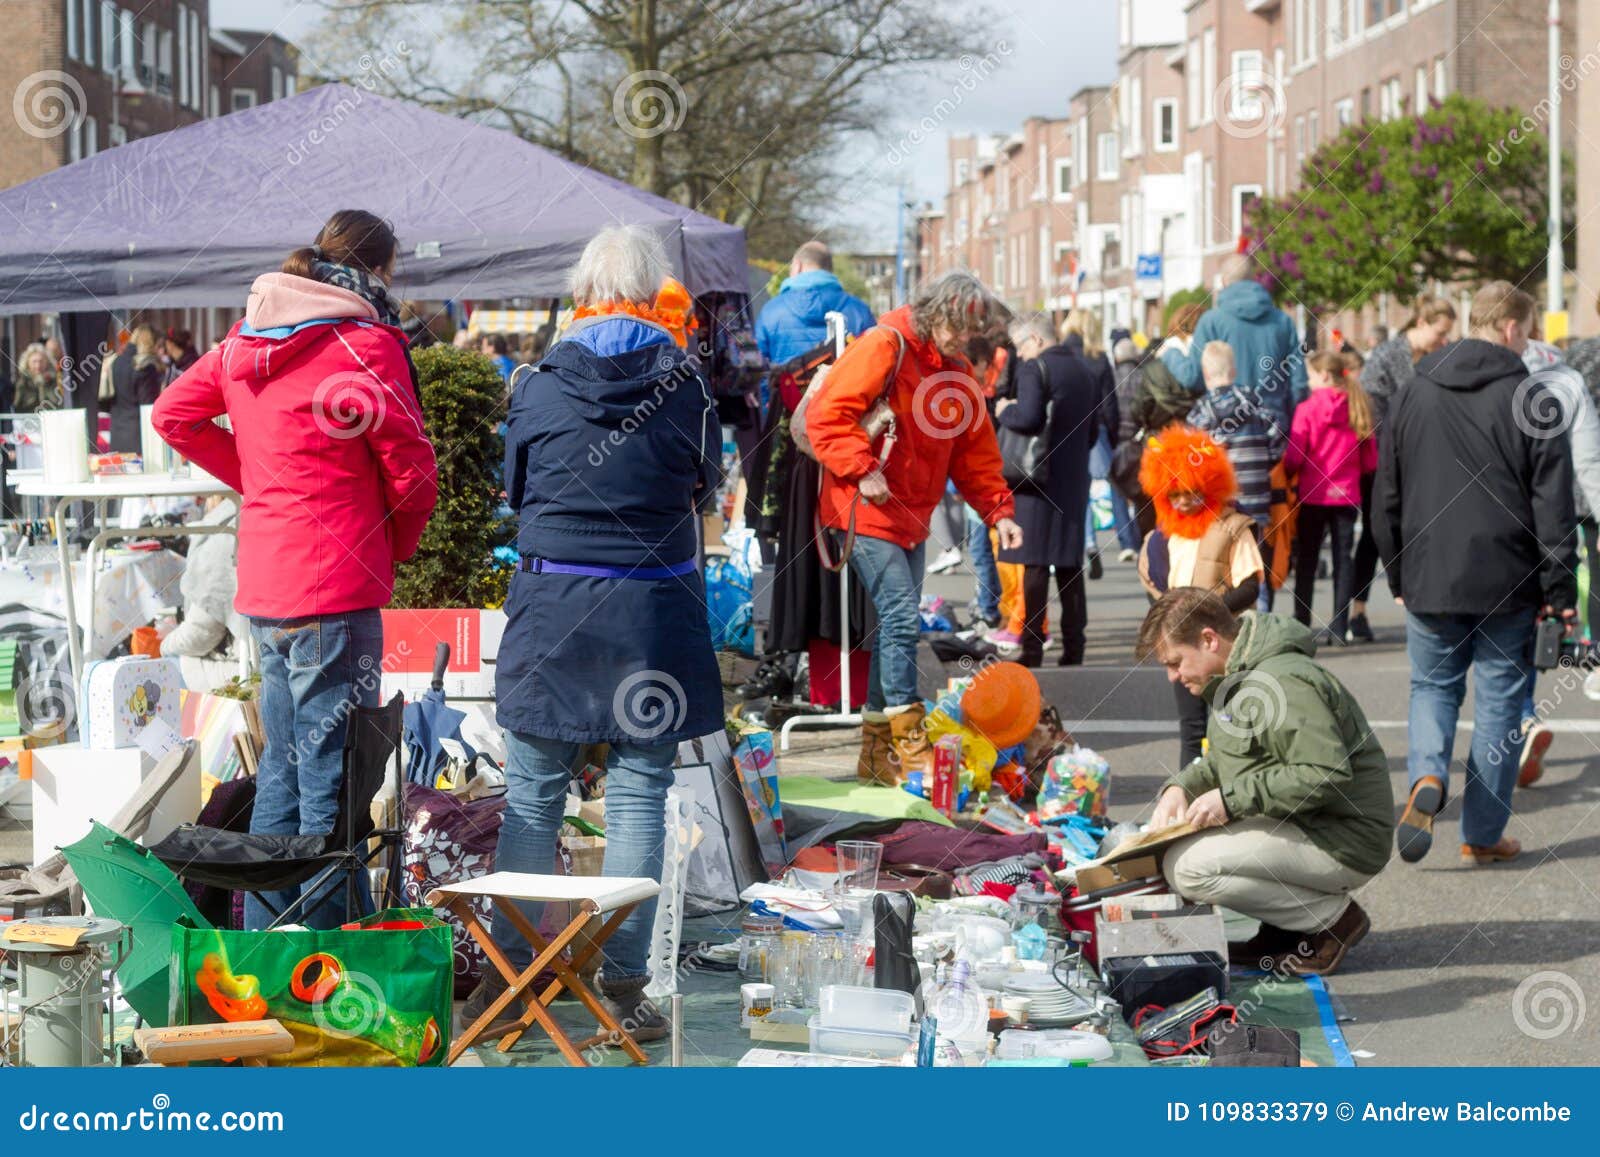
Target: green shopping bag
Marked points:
374	993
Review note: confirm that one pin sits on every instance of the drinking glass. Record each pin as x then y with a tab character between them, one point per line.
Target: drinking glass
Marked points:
858	864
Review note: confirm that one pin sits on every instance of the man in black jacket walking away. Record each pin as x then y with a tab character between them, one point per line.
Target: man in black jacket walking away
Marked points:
1474	519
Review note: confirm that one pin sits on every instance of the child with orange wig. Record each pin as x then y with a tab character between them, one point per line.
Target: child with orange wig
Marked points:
1200	540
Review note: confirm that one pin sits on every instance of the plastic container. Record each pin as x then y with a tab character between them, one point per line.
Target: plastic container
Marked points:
877	1009
857	1042
759	937
1062	1043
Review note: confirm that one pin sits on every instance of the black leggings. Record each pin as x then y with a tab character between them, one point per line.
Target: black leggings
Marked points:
1191	724
1036	604
1366	561
1315	523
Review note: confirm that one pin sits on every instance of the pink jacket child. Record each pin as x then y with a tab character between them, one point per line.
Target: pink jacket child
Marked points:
327	447
1326	453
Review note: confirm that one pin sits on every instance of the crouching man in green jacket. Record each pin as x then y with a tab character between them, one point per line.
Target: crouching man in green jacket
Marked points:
1293	782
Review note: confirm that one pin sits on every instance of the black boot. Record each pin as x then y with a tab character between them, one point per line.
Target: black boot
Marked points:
635	1012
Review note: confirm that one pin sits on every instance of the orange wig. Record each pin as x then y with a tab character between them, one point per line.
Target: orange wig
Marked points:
1183	460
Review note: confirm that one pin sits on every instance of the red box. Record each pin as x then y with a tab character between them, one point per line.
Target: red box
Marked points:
946	769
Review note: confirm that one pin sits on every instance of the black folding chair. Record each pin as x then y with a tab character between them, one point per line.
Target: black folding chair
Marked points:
242	862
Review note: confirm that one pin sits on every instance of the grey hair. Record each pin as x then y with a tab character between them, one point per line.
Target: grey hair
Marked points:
1035	327
960	303
1125	351
622	263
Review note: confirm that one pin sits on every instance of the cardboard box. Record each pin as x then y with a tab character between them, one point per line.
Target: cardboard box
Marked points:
1198	931
1095	877
73	786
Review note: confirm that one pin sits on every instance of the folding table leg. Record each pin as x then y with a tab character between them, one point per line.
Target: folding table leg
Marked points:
567	977
517	986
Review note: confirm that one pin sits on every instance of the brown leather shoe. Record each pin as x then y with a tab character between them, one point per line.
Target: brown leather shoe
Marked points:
1475	857
874	764
912	751
1322	952
1415	832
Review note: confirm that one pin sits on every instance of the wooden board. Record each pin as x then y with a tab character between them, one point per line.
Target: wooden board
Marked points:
181	1044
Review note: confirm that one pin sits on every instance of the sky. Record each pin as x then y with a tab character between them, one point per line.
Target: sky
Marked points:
1038	53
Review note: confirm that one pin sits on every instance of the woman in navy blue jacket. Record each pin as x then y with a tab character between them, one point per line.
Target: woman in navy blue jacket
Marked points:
611	442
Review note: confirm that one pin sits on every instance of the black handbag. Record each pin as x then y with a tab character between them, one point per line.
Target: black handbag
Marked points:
1025	458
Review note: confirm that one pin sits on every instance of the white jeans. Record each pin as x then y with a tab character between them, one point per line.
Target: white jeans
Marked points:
1266	869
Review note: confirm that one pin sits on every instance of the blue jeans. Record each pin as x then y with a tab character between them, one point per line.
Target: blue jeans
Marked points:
538	773
1122	520
1497	648
314	672
982	552
892	576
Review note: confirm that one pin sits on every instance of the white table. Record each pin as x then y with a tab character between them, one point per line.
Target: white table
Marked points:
100	492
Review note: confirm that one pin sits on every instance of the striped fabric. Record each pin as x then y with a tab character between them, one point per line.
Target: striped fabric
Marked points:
520	321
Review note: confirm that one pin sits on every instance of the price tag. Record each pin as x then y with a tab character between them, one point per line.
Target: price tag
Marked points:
55	935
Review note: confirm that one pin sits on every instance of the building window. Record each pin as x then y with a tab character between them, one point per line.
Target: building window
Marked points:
147	57
1209	192
1441	81
241	98
185	93
87	10
91	136
108	36
1244	196
1314	130
72	29
1366	104
1165	115
1133	118
74	143
164	62
1106	168
1391	99
197	68
216	102
1299	141
961	172
1063	178
1044	255
1304	34
1244	94
1344	112
1191	71
127	48
1208	88
1080	140
277	82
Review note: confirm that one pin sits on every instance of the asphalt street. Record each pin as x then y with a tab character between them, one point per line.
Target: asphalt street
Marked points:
1463	965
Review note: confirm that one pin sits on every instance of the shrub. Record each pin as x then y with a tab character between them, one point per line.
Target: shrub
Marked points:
463	403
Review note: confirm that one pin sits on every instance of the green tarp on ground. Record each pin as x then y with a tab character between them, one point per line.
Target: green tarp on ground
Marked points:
816	810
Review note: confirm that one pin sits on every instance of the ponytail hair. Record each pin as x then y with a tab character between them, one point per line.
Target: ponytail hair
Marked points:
352	237
1345	370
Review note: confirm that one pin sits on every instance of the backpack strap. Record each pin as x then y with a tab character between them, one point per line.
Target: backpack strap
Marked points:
831	563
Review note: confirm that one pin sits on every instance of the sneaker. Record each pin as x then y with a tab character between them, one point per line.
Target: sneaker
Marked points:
1360	629
1128	555
1096	567
1052	643
1327	637
1536	738
1415	832
1006	642
948	560
770	680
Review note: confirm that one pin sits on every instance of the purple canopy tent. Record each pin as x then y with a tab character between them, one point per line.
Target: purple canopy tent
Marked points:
191	216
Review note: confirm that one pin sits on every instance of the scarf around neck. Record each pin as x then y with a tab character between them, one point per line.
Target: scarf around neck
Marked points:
360	282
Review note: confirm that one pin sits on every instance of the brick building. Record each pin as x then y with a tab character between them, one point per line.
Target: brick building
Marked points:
88	75
1216	103
1583	304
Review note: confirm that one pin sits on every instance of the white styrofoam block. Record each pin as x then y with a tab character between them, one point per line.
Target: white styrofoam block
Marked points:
73	786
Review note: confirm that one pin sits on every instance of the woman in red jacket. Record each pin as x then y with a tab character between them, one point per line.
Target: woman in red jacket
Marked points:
325	444
915	359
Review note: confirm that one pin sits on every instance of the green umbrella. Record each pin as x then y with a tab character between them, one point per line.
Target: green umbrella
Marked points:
125	882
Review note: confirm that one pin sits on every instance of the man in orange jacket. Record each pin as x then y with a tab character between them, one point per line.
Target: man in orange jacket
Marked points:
885	487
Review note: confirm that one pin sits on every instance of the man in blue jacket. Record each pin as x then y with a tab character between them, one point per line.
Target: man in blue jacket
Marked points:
792	322
1266	346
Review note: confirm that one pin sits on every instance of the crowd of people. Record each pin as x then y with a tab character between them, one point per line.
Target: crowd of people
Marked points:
1459	453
